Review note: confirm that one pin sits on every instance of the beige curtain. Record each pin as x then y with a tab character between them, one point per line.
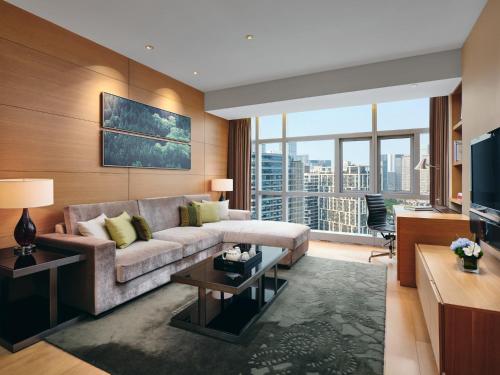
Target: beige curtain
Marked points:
438	134
238	163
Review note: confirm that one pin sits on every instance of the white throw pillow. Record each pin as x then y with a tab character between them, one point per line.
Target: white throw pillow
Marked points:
222	207
94	228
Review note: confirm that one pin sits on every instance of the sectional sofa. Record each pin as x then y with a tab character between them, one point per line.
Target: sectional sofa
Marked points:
111	276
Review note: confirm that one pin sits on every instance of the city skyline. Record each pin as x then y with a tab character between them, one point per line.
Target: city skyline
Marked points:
338	214
311	164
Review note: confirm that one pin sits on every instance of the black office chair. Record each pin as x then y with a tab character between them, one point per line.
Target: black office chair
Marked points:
377	222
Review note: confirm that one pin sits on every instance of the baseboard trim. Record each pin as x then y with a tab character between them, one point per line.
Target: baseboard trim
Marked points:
320	235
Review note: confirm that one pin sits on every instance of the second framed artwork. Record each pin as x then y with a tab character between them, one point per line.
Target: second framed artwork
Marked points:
128	150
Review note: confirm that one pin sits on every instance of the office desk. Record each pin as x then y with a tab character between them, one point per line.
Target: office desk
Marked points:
425	227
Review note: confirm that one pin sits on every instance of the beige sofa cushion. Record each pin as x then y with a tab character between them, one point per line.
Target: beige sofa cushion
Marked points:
270	233
192	239
239	214
145	256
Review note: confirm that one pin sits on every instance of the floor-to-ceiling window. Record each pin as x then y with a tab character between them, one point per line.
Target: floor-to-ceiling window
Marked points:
315	167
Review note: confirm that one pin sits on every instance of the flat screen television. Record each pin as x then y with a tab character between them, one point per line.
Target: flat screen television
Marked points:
485	172
485	188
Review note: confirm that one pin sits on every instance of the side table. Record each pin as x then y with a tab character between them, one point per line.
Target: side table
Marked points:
29	305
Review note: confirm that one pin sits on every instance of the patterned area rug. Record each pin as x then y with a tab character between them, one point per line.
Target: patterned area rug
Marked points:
329	320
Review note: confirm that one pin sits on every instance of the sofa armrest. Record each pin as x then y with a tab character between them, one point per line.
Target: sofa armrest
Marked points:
90	246
239	214
89	281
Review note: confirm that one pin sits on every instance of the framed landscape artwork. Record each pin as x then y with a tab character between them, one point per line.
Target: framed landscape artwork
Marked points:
129	150
130	116
136	135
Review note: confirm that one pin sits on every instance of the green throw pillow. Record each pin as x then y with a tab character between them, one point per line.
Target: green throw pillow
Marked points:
209	211
190	216
142	228
121	230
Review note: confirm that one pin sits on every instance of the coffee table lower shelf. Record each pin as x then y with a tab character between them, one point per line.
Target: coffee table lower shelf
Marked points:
229	319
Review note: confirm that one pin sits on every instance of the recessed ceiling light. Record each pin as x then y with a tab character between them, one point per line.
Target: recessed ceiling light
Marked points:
149	47
195	73
249	37
414	85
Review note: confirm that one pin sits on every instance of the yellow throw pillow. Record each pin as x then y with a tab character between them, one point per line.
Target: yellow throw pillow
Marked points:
121	230
223	207
209	211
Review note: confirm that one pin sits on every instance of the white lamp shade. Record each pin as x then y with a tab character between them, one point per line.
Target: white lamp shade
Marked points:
26	193
222	184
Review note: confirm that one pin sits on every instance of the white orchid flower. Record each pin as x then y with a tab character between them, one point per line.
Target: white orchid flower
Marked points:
476	251
468	251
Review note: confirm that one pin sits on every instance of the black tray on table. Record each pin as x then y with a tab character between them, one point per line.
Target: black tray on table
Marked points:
238	266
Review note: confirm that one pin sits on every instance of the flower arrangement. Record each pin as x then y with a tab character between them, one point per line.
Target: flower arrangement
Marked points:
468	252
464	247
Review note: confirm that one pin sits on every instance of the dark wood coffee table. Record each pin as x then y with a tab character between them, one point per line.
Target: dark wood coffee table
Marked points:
29	304
247	297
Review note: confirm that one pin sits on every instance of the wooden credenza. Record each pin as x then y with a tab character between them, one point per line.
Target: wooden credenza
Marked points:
461	310
429	227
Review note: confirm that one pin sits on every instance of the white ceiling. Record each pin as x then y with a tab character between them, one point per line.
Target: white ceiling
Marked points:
346	99
292	37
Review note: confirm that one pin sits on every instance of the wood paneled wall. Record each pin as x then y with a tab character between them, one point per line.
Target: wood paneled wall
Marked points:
50	85
480	86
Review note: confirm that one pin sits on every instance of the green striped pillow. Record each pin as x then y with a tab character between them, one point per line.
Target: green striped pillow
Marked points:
190	216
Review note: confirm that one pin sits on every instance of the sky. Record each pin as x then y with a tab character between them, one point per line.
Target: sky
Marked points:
406	114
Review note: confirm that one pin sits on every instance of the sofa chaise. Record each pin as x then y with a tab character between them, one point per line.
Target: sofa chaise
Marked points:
111	276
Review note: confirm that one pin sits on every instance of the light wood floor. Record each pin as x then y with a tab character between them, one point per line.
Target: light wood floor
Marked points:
407	345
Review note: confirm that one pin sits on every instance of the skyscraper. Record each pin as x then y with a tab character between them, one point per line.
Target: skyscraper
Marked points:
406	173
355	177
271	179
395	172
383	173
339	214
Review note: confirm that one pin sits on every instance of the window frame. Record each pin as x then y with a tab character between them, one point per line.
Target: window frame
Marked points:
374	137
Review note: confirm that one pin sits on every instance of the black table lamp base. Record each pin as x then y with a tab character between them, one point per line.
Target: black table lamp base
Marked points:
25	233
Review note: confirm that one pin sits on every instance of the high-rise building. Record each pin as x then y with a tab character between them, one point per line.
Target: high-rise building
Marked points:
383	173
271	179
355	177
395	172
406	173
271	174
295	174
295	183
271	208
343	214
339	214
296	210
